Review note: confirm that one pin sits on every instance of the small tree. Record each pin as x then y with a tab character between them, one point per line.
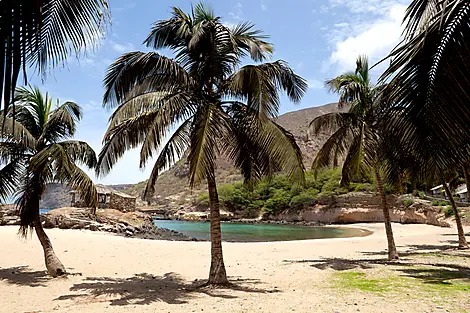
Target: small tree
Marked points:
35	150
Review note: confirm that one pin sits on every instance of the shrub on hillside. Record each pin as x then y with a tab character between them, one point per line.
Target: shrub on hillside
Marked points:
408	202
448	211
281	193
439	203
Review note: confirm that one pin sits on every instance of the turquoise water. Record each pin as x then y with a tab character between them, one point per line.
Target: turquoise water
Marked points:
42	211
261	232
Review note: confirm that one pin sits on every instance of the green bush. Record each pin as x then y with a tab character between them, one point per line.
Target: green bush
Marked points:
203	200
421	194
304	199
408	202
281	193
363	187
439	203
448	211
277	202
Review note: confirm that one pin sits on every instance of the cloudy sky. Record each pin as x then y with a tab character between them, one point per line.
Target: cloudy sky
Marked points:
319	39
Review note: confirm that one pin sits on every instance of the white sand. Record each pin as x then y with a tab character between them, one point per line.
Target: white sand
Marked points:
266	283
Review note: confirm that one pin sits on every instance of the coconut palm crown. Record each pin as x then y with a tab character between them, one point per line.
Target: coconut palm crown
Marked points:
214	105
36	149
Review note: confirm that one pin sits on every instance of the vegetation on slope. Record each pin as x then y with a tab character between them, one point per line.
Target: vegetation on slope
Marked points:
279	193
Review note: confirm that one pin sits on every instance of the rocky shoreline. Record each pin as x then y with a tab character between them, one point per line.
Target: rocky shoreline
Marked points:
130	224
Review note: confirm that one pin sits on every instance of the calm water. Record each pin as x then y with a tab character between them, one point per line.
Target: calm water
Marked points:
261	232
42	211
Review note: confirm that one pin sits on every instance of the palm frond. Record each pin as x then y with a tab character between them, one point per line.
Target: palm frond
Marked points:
245	39
429	72
173	150
146	127
28	197
10	177
335	146
43	34
15	132
61	124
80	152
330	122
261	147
259	85
208	126
149	71
78	180
171	33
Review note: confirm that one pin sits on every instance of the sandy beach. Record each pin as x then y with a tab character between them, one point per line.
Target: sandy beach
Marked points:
117	274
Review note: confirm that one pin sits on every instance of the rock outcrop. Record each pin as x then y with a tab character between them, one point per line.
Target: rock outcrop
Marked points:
198	216
360	207
8	215
130	224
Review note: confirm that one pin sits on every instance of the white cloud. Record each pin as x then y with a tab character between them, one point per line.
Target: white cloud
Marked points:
314	84
374	38
374	7
237	12
263	6
121	48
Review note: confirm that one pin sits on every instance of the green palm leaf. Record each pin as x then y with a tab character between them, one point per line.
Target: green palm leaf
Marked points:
43	34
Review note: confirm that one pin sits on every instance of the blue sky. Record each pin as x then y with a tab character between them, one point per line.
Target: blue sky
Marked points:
319	39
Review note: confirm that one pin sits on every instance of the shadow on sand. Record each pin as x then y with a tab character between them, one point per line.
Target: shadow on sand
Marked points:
146	288
427	272
23	276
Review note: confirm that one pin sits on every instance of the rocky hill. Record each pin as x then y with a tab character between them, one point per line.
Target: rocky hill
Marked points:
172	186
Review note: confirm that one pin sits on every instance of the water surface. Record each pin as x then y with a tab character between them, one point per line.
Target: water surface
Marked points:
261	232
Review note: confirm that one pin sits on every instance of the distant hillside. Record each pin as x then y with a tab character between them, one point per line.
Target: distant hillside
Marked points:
172	187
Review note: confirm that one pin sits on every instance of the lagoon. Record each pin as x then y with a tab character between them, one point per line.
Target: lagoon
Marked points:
239	232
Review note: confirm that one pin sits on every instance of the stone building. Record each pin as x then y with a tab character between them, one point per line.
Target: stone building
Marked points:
108	198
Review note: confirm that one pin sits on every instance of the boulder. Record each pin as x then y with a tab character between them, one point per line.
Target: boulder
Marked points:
8	215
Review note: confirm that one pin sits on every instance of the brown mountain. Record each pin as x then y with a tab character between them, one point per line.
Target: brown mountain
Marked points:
172	187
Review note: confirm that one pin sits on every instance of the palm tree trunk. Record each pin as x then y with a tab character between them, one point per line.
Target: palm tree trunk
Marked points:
392	250
400	184
54	266
217	274
467	182
462	241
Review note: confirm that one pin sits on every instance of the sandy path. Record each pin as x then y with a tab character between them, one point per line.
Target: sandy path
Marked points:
265	281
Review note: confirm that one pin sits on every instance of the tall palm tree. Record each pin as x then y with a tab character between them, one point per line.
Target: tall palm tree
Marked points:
43	33
217	107
356	134
35	149
429	81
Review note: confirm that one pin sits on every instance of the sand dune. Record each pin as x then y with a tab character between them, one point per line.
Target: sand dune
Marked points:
116	274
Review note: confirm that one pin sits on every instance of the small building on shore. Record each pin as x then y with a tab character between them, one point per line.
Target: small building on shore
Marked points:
108	198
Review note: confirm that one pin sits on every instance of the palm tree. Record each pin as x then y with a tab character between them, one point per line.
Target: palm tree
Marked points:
217	107
356	134
43	33
35	150
429	81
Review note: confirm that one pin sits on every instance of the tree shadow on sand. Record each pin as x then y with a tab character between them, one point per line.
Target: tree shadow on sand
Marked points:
426	272
145	288
23	276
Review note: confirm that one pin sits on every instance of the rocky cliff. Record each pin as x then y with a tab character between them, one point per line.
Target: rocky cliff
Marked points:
360	207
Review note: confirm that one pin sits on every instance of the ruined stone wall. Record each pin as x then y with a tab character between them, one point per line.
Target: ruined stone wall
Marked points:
124	204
